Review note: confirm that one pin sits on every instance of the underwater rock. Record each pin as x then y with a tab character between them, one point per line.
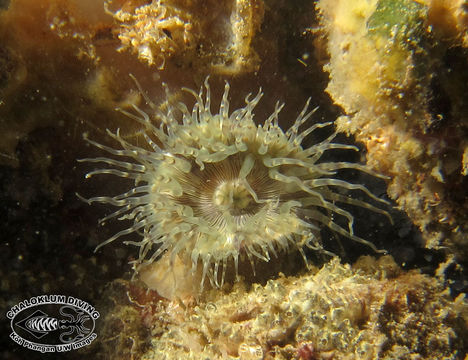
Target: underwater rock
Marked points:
79	44
62	75
402	82
449	19
372	310
199	34
46	63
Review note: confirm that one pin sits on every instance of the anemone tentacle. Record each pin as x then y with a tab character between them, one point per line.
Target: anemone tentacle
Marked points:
214	187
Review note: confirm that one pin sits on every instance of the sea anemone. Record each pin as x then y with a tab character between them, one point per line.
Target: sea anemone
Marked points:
216	187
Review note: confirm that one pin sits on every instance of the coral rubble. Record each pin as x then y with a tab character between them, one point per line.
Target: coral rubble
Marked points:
372	310
399	71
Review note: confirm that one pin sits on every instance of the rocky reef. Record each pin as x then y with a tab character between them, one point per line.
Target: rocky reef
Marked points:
214	36
393	74
371	310
398	70
70	60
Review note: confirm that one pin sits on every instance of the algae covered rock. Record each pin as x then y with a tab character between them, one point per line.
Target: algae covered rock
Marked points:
210	34
400	75
371	310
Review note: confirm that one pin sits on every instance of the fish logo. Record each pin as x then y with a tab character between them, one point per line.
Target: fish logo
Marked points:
53	323
40	324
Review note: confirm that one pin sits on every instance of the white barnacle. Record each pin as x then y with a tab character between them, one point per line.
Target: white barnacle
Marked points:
213	187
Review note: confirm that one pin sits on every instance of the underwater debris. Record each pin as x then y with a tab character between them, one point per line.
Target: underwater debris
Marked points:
210	188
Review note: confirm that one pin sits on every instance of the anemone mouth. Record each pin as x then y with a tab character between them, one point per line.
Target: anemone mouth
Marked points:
218	190
213	187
